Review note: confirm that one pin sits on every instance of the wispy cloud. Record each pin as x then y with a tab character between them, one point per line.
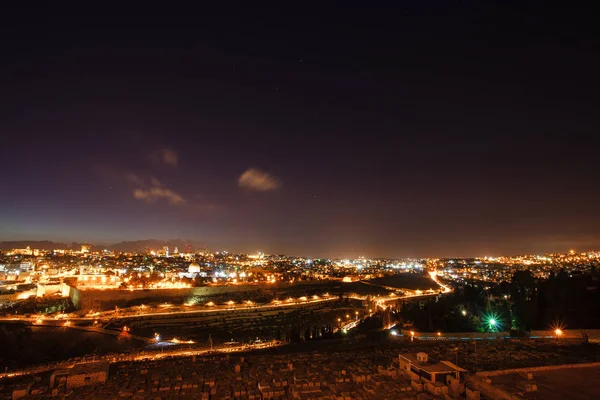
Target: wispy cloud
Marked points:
166	156
255	179
152	189
133	178
155	193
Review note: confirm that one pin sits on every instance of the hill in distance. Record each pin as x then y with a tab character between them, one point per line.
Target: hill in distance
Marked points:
136	245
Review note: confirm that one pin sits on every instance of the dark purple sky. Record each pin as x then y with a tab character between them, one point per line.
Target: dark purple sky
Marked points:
448	128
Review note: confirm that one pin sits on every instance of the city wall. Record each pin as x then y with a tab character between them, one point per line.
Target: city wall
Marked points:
455	335
536	369
98	300
488	390
571	335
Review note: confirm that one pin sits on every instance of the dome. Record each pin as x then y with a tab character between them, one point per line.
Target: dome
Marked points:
194	268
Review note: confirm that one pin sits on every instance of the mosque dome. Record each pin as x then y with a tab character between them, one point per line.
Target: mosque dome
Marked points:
194	268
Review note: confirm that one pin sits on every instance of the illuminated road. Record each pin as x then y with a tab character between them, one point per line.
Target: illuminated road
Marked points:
71	322
433	276
128	314
142	356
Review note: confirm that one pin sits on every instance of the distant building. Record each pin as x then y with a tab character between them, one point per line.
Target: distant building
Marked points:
420	366
194	268
25	266
24	252
84	374
85	248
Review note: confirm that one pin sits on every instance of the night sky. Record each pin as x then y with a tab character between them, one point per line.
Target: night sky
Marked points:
438	128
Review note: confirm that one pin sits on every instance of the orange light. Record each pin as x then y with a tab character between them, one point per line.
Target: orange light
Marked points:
558	332
412	333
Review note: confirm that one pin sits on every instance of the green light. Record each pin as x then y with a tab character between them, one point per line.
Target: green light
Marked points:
492	321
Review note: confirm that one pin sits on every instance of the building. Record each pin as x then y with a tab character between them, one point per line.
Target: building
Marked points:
194	268
436	376
93	373
85	248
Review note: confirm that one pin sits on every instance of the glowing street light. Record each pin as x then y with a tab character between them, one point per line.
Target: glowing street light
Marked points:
558	332
492	321
464	312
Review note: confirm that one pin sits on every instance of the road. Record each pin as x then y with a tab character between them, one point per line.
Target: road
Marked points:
72	322
141	356
115	317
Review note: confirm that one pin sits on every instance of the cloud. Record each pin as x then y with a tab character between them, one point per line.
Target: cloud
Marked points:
144	187
255	179
133	178
165	155
156	193
169	156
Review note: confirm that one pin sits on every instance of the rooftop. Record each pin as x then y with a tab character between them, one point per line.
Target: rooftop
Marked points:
431	366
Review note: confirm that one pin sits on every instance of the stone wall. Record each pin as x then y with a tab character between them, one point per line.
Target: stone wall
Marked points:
476	383
536	369
106	299
591	335
83	379
98	300
455	335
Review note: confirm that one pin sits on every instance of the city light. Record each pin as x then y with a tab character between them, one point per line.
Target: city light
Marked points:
492	321
558	332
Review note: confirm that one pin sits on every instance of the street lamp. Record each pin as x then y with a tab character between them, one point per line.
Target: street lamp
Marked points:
558	332
492	321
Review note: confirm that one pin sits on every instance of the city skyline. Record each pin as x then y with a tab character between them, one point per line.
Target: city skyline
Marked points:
179	246
400	132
